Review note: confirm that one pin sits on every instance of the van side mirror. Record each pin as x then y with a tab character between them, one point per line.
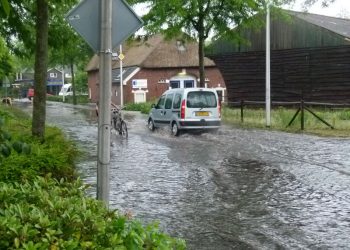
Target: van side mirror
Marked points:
153	105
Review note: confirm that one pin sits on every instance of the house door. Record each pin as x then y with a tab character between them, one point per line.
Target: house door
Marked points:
139	97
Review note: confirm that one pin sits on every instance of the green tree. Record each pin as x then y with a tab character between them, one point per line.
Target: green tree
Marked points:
325	3
6	61
29	23
5	6
67	47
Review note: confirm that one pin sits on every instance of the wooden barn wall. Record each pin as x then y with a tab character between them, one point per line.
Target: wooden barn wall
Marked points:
317	75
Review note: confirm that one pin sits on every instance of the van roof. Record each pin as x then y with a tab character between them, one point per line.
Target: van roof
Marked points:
191	89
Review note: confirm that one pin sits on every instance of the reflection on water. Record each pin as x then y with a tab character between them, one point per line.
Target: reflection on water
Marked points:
235	189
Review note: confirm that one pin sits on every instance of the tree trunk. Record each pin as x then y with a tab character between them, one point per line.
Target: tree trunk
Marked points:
40	75
201	40
73	82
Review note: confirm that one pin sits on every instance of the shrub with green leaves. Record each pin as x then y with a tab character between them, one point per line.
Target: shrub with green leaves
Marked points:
47	214
8	146
22	157
144	107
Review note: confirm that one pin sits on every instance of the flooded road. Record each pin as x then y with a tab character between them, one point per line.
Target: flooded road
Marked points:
237	189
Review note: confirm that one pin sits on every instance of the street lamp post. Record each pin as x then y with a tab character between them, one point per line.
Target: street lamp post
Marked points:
268	70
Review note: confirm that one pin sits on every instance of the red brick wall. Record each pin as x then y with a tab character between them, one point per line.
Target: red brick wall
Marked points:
154	88
93	81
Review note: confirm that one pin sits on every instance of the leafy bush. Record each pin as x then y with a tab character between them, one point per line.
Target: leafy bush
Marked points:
23	157
47	214
8	146
144	107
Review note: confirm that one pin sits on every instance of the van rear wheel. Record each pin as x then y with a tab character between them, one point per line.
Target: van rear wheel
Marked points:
151	125
175	129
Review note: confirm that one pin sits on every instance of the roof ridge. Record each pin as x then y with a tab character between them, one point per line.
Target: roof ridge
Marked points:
315	14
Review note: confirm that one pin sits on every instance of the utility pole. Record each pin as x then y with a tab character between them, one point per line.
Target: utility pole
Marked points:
104	117
268	70
63	83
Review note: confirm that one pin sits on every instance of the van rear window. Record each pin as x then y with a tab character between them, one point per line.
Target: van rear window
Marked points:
201	99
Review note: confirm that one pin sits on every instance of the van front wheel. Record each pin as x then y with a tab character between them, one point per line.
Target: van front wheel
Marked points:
174	129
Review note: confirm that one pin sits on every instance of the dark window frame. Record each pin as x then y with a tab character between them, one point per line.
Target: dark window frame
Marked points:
177	82
177	101
168	101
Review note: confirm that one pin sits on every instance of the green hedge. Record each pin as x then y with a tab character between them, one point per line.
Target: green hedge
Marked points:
46	214
144	107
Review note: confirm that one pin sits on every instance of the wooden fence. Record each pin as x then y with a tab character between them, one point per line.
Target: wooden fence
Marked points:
301	107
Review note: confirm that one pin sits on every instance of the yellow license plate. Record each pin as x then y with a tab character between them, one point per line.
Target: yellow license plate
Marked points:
202	113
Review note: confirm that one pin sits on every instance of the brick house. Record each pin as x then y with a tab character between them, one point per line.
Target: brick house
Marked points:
150	67
25	80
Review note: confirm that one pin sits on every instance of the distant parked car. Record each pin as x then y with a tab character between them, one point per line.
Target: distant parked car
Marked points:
30	93
186	109
66	90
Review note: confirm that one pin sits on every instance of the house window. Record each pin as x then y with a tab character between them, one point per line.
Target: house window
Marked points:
188	84
53	75
175	84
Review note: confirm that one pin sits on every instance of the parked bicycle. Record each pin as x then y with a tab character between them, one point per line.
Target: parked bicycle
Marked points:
118	122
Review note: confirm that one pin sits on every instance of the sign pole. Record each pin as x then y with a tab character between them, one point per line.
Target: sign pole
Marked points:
104	118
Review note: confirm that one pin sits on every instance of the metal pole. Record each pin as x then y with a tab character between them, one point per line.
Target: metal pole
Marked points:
62	83
242	106
268	90
302	122
121	77
104	118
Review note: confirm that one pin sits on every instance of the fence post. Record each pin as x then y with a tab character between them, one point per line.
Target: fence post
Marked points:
302	114
242	104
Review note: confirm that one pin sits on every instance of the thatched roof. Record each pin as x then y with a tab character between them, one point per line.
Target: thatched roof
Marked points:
156	52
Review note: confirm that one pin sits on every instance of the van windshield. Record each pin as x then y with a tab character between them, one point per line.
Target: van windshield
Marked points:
201	99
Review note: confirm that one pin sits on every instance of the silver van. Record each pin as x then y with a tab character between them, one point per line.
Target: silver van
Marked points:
186	109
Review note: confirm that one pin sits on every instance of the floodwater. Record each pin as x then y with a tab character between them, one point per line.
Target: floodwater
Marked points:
235	189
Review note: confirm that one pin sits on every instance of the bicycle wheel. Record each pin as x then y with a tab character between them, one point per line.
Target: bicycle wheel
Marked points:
114	123
123	130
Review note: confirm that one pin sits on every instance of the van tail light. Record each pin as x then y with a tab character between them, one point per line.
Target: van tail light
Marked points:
219	108
183	107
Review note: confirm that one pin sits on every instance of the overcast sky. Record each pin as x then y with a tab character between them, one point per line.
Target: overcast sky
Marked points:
340	8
